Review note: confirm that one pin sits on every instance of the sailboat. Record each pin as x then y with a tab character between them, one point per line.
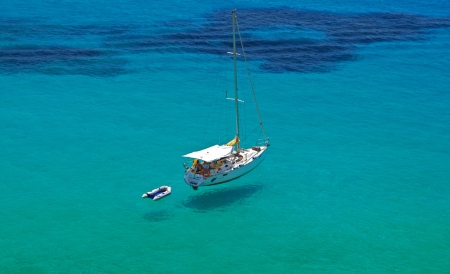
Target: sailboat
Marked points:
222	163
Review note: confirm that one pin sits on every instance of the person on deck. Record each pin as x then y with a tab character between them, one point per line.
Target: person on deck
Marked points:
198	167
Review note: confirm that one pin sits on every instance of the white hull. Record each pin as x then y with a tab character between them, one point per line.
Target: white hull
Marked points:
220	164
250	159
158	193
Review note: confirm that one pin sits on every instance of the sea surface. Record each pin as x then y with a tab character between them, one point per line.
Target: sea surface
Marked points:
100	99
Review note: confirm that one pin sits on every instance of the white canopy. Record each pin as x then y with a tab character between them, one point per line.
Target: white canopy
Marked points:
211	153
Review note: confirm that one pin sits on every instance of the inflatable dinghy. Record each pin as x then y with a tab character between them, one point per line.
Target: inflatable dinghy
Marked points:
158	193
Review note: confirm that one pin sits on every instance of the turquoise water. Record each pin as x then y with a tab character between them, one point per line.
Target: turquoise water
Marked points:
99	99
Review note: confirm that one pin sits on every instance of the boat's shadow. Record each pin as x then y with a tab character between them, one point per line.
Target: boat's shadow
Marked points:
157	215
220	198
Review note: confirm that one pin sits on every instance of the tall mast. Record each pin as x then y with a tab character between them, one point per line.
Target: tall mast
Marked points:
236	99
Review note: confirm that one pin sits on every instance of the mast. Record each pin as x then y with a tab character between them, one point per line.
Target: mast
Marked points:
238	145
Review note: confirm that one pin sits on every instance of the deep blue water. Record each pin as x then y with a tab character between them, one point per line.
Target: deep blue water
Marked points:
99	100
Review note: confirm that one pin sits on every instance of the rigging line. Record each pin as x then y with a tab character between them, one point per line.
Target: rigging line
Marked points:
213	110
244	94
228	77
228	109
206	124
252	131
250	79
217	130
179	181
246	114
257	140
214	129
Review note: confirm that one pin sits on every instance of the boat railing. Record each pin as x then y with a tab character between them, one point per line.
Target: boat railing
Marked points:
262	142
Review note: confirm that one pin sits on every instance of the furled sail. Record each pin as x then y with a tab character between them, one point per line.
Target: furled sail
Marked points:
232	142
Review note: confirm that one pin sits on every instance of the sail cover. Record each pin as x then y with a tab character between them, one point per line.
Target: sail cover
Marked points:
211	153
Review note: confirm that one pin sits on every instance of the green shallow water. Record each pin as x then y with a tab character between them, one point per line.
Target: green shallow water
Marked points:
355	180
